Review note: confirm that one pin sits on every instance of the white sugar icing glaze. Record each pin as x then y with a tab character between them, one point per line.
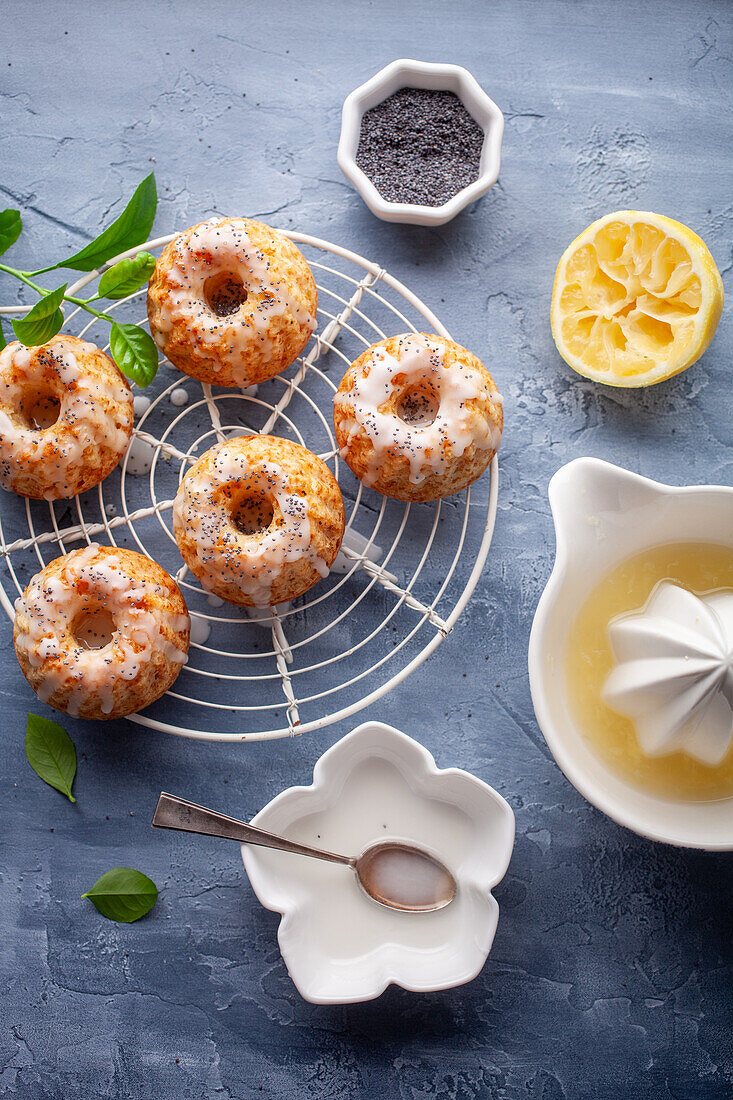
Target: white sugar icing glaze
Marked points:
423	445
216	248
140	456
140	404
179	397
200	630
52	606
82	417
251	563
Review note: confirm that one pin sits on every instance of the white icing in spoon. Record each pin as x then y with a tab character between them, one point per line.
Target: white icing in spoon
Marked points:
674	672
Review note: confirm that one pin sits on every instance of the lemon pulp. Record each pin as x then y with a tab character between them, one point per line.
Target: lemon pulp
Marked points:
637	299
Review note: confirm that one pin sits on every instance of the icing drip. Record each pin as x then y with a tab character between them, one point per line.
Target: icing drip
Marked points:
217	248
140	457
84	423
140	404
371	405
227	556
53	606
179	397
200	630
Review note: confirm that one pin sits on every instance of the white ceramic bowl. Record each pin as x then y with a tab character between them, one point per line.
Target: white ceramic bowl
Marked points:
602	515
375	784
405	73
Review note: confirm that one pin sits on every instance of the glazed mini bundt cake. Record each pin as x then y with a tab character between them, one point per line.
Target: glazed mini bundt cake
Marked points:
101	632
232	302
66	417
259	520
417	417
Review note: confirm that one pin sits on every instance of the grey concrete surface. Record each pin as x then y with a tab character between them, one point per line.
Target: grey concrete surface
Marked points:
611	972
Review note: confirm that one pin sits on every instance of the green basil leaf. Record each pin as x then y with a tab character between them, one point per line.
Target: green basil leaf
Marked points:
3	341
123	894
43	321
134	351
51	753
126	277
132	227
10	227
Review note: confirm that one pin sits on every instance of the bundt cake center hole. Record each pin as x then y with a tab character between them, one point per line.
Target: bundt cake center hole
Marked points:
39	409
224	293
94	629
252	514
418	406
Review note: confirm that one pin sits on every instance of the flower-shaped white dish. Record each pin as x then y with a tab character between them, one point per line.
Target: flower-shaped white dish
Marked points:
374	784
603	515
406	73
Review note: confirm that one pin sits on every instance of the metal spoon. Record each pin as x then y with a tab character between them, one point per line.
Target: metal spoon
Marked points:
397	875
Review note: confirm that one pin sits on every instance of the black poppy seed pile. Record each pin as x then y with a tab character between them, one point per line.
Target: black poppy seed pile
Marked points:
420	146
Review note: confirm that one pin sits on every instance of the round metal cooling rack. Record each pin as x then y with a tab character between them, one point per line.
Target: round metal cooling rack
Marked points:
405	572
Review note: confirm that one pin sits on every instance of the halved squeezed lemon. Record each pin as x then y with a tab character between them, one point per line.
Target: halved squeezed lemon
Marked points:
637	299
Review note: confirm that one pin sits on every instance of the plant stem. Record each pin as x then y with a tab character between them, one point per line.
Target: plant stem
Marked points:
24	278
81	302
41	271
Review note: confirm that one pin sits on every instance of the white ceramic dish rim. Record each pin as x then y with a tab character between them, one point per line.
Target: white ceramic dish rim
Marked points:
329	769
592	792
466	87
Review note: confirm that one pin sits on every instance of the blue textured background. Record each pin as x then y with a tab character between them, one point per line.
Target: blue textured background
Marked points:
611	970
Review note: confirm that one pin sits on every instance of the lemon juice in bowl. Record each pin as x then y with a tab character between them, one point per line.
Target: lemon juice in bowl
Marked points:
703	569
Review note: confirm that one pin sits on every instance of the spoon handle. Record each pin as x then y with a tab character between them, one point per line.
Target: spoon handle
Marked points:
187	817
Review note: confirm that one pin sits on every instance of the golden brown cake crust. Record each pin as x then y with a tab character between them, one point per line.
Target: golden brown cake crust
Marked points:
196	317
142	660
76	381
295	520
406	459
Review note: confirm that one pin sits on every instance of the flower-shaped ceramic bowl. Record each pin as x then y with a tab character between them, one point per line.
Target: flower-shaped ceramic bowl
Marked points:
376	783
604	514
405	73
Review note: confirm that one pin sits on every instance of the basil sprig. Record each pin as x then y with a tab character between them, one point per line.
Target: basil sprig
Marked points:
51	753
123	894
132	348
43	321
10	227
132	227
134	352
126	277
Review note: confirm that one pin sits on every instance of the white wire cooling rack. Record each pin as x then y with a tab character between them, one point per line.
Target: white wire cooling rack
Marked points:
405	573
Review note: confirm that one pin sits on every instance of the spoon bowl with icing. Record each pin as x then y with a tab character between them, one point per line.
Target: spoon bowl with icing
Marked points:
394	874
